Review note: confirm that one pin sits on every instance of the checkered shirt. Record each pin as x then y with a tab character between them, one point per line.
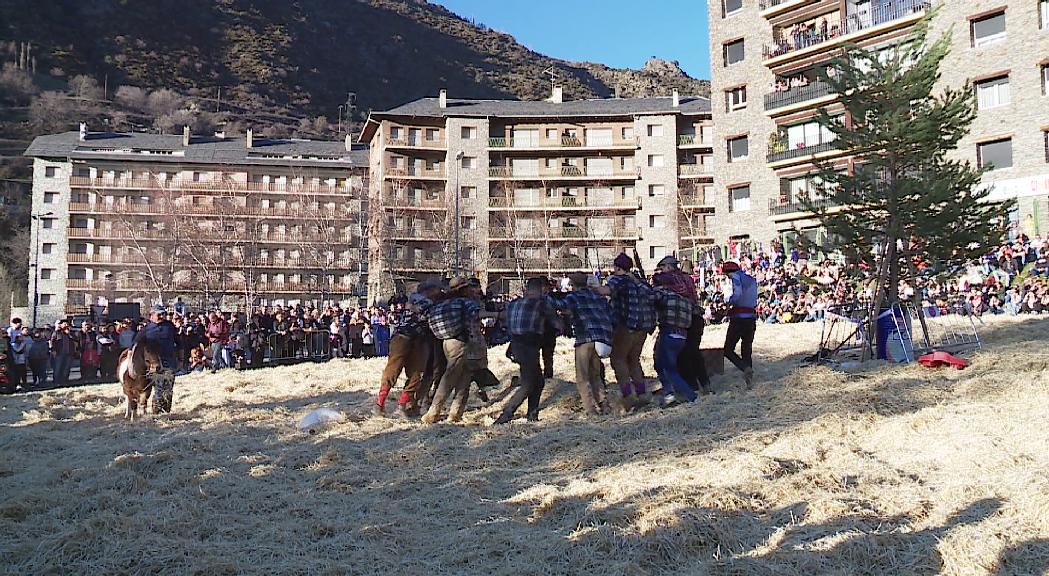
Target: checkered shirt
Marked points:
680	283
452	318
675	311
632	303
591	315
411	323
528	316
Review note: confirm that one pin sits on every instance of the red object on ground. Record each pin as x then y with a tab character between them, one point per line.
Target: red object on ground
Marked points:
937	359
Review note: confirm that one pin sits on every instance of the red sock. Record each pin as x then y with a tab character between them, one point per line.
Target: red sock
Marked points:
404	399
383	393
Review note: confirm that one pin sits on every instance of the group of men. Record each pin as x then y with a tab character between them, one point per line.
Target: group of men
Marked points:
439	340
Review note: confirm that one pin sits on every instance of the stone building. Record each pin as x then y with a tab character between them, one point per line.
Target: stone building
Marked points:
765	55
540	188
205	220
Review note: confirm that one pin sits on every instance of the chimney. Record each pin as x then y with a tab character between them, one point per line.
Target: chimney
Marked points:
220	134
83	131
185	135
617	92
677	99
247	139
558	95
349	143
442	100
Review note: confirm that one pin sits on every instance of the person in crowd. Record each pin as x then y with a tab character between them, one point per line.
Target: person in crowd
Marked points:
218	337
634	316
456	321
674	318
382	334
691	365
592	325
742	296
526	320
161	333
14	329
89	353
63	347
367	339
18	351
39	356
408	352
197	360
125	334
550	333
108	356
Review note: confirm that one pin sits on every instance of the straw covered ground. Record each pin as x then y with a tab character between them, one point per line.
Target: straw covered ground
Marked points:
890	470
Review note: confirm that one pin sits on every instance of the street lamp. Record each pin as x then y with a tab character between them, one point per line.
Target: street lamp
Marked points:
458	161
340	120
36	264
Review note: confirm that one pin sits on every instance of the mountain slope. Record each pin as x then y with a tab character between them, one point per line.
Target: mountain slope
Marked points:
304	55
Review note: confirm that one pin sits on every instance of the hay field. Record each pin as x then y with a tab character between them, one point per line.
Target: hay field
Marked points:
894	470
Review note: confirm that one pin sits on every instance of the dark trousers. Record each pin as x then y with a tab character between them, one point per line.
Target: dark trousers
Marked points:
549	343
39	368
740	330
18	375
690	362
526	354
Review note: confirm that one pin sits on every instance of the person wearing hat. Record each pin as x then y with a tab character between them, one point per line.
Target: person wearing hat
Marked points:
675	318
742	313
456	322
62	350
634	315
591	323
690	361
408	351
526	320
163	335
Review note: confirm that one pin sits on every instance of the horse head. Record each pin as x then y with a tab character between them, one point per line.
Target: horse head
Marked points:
145	357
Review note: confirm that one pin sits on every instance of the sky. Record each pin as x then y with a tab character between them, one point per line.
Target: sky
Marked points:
619	33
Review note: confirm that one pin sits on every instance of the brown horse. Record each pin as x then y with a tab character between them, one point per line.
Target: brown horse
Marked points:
133	373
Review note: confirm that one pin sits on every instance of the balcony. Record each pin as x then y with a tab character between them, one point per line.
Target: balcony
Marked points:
225	210
500	233
562	173
780	154
794	96
414	172
688	200
219	236
416	202
694	170
560	264
839	30
797	206
563	203
222	285
564	143
421	143
222	186
420	264
693	141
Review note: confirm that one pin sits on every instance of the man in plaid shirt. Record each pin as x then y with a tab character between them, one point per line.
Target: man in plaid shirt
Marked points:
456	322
592	323
526	320
675	318
408	350
634	314
690	362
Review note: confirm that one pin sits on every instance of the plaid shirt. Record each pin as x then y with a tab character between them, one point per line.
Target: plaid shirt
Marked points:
632	304
591	315
411	323
528	316
675	311
679	283
451	319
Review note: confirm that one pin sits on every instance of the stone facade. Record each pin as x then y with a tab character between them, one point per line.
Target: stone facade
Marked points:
51	194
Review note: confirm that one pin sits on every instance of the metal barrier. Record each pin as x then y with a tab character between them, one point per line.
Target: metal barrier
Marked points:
315	345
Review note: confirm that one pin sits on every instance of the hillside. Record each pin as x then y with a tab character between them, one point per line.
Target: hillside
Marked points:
885	471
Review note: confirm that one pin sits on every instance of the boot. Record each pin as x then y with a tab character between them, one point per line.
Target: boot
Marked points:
380	411
748	377
482	395
504	418
533	416
629	402
430	417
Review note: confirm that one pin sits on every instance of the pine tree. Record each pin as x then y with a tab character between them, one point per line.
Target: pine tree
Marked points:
909	210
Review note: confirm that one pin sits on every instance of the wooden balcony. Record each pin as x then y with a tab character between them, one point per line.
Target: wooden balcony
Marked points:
562	173
417	173
693	141
695	170
566	143
563	203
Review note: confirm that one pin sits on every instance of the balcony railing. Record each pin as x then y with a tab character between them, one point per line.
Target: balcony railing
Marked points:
415	172
405	142
777	154
570	202
779	208
564	142
693	140
563	172
816	89
219	285
562	233
695	170
232	210
394	201
839	27
208	185
692	200
425	263
221	236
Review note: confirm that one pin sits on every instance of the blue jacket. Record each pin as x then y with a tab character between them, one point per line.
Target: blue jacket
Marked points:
164	335
744	298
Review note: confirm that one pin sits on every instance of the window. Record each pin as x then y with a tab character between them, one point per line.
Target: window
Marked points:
551	162
45	273
469	222
47	248
992	93
738	149
1043	11
657	251
988	29
739	199
1045	80
733	52
396	133
51	172
551	133
47	223
995	155
656	190
628	133
733	6
469	162
46	299
657	221
655	130
431	134
736	98
800	136
469	132
468	192
50	197
1045	137
655	160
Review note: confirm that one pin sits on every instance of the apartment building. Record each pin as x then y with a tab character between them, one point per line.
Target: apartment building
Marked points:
509	189
207	220
766	55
